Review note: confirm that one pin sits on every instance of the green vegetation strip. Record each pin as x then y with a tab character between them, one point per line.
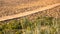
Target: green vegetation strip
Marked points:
42	25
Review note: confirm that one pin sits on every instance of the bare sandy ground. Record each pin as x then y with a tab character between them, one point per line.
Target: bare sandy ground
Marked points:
11	7
29	12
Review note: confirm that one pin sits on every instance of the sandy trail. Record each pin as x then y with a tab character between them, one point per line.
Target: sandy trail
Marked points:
29	12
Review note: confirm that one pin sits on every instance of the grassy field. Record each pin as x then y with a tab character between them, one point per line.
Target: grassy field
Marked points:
41	25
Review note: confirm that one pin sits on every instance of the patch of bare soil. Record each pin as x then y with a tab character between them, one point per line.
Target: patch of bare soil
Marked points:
11	7
54	12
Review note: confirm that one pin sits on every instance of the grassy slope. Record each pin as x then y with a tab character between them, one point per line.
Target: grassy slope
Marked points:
42	25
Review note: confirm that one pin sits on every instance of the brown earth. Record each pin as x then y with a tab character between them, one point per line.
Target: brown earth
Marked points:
51	11
11	7
54	12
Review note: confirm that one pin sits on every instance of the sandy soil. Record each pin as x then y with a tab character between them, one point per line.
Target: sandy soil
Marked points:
29	12
11	7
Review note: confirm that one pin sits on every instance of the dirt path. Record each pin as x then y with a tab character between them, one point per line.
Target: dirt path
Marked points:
29	12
